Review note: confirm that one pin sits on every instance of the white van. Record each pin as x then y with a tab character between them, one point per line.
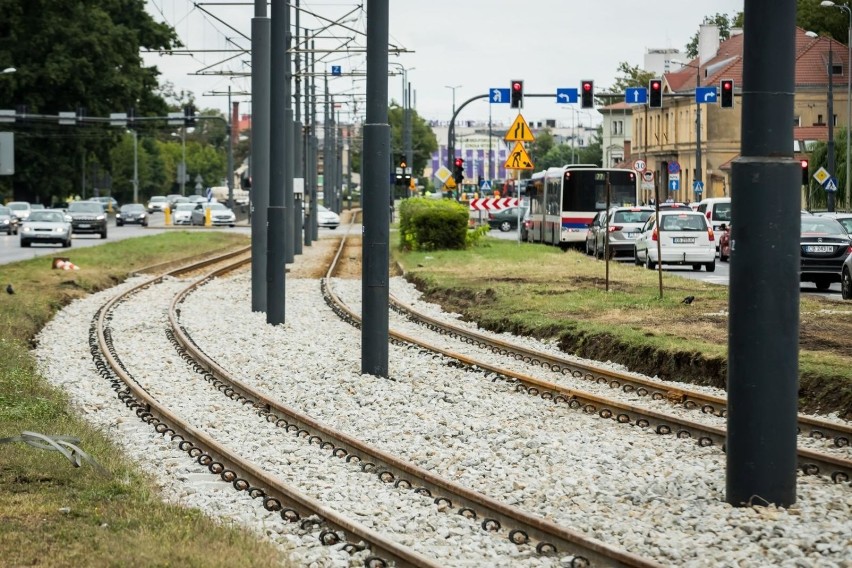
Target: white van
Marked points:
717	211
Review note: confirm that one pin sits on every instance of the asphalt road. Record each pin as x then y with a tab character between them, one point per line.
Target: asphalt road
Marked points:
720	276
11	250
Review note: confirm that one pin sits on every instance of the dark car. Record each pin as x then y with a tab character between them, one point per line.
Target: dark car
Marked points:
825	246
88	217
8	222
507	219
131	213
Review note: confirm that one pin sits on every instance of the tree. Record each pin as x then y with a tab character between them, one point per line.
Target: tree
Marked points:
725	23
423	141
540	147
631	76
70	55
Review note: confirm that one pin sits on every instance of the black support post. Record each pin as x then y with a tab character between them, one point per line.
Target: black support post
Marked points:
763	343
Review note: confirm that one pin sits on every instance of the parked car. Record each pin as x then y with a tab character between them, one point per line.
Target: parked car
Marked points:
724	235
846	279
109	203
182	213
219	214
717	210
844	219
157	203
8	222
825	245
624	226
196	199
46	226
36	207
20	209
131	213
88	217
684	236
327	218
173	198
507	219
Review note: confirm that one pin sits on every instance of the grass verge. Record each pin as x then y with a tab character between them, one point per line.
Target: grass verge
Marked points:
52	514
540	291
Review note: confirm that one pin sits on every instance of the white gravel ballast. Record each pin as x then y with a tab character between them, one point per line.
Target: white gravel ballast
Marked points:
654	496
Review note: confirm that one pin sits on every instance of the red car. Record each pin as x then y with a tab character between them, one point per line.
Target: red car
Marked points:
724	242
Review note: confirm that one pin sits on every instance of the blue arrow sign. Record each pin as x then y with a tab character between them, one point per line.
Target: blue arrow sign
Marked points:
498	96
566	95
674	184
698	186
636	95
335	70
705	94
831	184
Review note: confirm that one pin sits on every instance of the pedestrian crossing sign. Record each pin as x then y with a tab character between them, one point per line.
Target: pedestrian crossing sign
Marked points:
485	185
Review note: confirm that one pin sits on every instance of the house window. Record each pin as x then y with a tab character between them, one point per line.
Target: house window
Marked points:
797	121
836	69
617	127
819	120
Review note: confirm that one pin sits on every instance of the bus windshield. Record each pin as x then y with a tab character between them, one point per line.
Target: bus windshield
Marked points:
585	190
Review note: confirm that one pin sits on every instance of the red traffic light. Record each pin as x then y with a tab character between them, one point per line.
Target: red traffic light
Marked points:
516	86
804	164
587	85
459	162
656	85
727	85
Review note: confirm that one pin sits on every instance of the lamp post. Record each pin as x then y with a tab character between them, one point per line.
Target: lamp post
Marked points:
135	166
453	88
845	8
698	174
183	173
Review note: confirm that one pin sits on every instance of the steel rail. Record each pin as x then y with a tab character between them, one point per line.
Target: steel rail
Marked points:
245	475
192	262
808	425
495	514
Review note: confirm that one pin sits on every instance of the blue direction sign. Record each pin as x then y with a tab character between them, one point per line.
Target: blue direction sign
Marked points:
498	96
566	95
705	94
698	186
830	184
636	95
674	184
335	70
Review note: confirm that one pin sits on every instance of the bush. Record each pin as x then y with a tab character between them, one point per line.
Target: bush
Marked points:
432	224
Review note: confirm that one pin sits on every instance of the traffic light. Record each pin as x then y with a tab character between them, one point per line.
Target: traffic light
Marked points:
517	94
400	172
727	98
587	94
655	93
805	177
189	115
458	170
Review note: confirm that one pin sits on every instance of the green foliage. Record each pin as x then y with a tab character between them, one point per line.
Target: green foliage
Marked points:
433	224
725	23
423	141
824	21
819	158
631	76
69	55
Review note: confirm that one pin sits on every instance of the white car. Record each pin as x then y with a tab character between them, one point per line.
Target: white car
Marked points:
157	203
685	237
46	226
327	218
219	214
182	213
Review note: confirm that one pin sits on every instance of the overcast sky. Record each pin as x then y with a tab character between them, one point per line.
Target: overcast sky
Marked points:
473	44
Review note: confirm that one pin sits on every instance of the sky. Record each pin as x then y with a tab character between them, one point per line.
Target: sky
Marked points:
472	45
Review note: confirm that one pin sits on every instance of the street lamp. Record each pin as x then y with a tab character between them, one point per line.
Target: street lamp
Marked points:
845	8
183	173
453	88
8	70
698	174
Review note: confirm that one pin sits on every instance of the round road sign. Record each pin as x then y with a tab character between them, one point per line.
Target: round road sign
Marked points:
640	166
648	176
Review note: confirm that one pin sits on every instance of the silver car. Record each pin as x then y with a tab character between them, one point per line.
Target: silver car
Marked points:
8	222
20	209
46	226
625	223
182	213
219	214
327	218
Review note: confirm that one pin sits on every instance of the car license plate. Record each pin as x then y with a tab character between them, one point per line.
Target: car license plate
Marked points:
683	240
632	235
819	248
84	225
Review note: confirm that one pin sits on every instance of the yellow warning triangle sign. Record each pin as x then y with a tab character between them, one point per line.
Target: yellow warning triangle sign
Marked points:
518	159
519	131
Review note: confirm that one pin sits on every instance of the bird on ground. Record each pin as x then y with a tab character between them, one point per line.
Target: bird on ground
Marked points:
9	289
688	300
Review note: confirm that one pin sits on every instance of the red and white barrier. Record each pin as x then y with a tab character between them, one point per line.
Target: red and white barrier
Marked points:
493	203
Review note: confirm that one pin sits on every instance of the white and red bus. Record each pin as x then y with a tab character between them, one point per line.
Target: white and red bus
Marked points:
563	201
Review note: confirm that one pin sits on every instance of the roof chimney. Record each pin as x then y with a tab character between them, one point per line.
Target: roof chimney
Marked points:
708	42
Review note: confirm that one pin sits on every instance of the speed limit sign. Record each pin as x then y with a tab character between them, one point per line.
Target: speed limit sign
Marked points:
640	166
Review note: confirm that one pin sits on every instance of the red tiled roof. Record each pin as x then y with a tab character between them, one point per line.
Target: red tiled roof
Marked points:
616	106
811	133
811	64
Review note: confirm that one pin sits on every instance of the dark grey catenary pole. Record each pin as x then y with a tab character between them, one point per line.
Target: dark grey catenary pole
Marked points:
260	76
314	163
375	189
298	143
275	266
763	339
306	142
289	149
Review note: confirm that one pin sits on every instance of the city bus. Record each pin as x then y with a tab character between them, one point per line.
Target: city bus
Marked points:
563	201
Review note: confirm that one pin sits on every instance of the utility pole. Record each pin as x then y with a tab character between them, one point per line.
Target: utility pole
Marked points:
232	126
314	164
135	166
260	89
376	195
829	195
298	144
763	338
